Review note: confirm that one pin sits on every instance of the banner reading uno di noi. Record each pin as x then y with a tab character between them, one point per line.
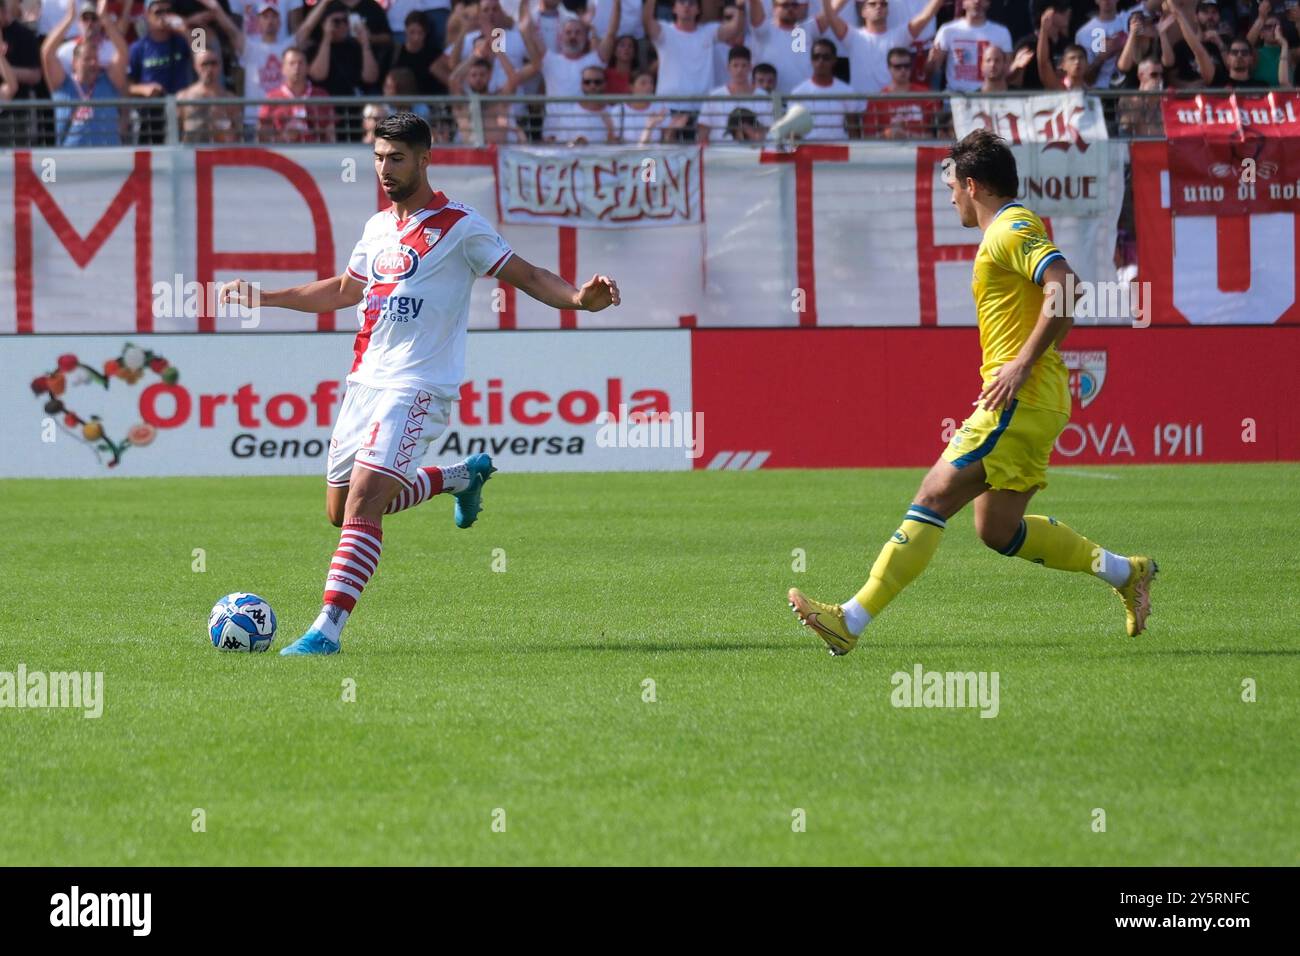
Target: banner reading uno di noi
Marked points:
604	187
1233	155
1060	143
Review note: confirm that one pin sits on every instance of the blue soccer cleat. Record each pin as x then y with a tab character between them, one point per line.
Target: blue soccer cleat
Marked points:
470	501
313	642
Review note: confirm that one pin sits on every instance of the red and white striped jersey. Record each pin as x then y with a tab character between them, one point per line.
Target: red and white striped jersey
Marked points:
414	314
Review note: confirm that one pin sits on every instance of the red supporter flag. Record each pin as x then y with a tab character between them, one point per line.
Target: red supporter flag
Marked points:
1233	155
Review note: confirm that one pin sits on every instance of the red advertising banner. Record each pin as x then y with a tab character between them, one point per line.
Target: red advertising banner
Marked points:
1233	154
840	398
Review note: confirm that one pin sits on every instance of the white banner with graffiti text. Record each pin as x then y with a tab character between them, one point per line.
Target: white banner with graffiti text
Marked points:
257	404
1060	143
602	187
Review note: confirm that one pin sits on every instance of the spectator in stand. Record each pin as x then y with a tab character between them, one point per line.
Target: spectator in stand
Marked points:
22	49
1028	77
8	79
900	12
433	16
958	44
208	123
641	118
1239	72
766	78
833	120
473	75
375	20
995	68
295	122
903	119
160	60
1141	41
199	23
1141	115
251	17
1272	46
775	39
22	52
1073	74
685	49
629	20
587	121
476	21
868	46
1103	37
416	53
715	115
1184	21
85	124
564	70
549	17
92	32
258	54
160	64
344	62
400	89
625	64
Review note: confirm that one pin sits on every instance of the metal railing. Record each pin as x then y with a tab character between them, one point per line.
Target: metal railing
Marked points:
480	120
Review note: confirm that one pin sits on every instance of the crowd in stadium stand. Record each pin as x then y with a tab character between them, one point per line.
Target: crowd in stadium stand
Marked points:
429	55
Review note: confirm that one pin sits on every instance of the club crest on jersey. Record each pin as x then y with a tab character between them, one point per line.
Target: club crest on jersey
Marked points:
393	265
431	236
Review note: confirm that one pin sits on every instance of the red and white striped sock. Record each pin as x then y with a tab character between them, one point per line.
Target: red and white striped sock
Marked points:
429	482
351	568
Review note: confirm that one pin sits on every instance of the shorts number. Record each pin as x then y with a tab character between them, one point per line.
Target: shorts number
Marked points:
374	433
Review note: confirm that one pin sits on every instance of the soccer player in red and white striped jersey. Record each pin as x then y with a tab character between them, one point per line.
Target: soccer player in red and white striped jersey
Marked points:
410	278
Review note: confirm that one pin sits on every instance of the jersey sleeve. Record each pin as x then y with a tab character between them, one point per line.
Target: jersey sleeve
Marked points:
358	264
485	250
1023	247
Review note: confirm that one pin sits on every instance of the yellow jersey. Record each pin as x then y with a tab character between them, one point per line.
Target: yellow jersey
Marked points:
1009	266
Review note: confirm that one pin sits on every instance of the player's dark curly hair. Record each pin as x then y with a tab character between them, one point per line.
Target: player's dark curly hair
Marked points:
985	157
405	128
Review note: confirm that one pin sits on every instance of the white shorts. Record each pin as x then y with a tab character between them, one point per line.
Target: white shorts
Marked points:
387	430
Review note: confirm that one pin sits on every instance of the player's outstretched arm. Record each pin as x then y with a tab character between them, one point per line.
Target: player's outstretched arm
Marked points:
323	295
546	287
1061	288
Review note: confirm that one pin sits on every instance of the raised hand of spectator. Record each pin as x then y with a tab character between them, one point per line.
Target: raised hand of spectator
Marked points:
1047	23
1024	56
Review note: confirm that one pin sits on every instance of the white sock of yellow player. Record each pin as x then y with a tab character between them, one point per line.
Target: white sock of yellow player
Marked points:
856	616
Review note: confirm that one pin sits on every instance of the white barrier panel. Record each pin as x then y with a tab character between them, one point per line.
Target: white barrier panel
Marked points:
256	404
857	234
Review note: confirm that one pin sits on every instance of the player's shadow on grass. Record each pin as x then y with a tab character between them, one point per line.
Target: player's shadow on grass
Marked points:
1207	652
623	645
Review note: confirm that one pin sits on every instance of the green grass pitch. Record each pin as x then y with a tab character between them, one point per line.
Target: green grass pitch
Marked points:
523	690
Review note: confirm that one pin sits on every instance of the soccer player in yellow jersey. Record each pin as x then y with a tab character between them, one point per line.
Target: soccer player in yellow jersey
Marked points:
998	458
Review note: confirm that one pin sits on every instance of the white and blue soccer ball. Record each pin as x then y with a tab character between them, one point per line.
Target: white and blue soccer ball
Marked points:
241	622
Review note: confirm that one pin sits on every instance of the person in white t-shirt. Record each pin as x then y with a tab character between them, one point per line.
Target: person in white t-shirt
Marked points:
629	18
869	45
685	49
900	12
833	120
262	54
250	10
1103	37
490	18
562	67
959	46
409	279
587	121
715	115
784	40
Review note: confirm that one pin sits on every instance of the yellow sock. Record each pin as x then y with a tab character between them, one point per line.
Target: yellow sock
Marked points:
1047	542
902	558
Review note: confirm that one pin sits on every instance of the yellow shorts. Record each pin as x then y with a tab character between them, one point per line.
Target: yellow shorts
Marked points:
1014	445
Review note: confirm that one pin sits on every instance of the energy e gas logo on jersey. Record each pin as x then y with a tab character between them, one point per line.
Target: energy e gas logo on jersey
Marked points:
394	265
1087	373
